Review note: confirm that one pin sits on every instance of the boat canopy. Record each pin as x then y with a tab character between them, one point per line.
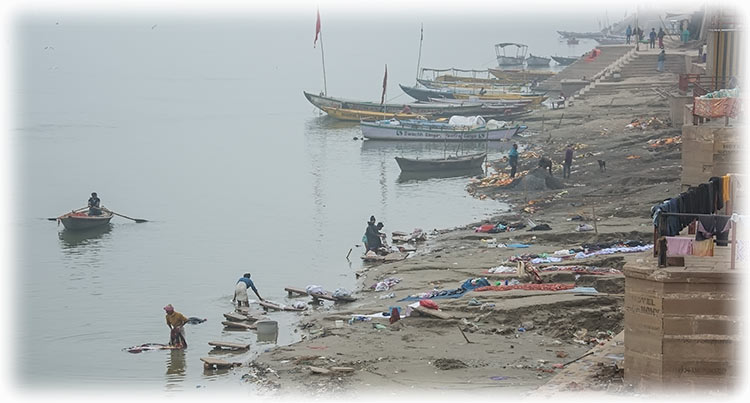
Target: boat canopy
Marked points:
504	44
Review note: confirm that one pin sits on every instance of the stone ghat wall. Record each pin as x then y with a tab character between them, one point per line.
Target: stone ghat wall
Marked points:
682	328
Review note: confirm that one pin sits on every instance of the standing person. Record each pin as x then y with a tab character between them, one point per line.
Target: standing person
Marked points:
176	322
94	205
365	240
661	58
640	34
652	38
240	290
628	32
568	161
513	160
661	36
685	35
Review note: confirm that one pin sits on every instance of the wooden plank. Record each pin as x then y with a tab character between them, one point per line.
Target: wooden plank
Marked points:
271	305
432	312
229	345
237	325
295	290
238	317
318	370
342	369
211	363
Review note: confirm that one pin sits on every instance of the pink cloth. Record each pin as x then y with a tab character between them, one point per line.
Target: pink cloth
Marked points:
679	246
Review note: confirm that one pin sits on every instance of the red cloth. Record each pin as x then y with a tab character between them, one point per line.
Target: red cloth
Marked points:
716	107
317	29
485	228
428	303
385	80
533	287
395	317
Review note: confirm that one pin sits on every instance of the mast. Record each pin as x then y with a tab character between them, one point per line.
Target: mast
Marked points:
323	57
419	60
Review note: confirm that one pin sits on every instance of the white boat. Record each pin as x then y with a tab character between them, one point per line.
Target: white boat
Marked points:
421	130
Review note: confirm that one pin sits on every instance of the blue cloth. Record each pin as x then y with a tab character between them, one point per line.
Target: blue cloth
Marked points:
517	245
249	283
457	293
480	282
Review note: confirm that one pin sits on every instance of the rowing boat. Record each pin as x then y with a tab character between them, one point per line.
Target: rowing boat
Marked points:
537	61
564	61
453	164
81	220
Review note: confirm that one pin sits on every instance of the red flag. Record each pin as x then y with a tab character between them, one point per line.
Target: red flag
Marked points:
385	80
317	29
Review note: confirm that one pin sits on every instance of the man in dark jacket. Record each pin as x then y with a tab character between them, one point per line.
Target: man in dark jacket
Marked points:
94	205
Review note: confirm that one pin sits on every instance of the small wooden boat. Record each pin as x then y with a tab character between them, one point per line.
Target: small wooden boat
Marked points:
537	60
418	130
564	61
322	102
359	115
424	94
81	220
463	163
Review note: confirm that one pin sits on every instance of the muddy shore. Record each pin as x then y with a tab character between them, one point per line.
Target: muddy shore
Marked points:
514	340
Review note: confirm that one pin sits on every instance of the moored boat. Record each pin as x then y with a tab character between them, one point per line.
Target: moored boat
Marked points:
564	61
504	59
521	76
325	102
453	164
537	60
80	220
437	131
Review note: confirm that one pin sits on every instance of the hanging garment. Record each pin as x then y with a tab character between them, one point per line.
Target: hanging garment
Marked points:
725	186
703	248
679	246
717	190
719	226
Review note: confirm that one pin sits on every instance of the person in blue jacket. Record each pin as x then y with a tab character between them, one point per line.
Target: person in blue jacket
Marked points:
240	290
513	160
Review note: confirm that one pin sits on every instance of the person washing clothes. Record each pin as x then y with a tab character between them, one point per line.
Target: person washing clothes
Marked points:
176	323
240	291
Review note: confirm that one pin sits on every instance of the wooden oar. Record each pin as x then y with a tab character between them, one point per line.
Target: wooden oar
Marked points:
139	220
73	211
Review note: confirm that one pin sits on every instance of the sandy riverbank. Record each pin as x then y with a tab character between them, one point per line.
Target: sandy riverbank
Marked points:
428	354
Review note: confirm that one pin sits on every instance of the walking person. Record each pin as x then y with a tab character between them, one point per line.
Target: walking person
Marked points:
661	36
513	160
176	323
652	38
628	32
240	290
568	161
661	59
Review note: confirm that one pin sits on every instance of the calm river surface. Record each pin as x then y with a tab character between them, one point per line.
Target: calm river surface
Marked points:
199	125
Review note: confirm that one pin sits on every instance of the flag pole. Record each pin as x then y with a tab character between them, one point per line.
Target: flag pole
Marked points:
419	60
323	57
319	32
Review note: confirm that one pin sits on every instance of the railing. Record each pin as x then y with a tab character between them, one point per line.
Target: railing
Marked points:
705	83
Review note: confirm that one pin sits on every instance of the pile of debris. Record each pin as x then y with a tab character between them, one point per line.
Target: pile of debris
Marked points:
650	123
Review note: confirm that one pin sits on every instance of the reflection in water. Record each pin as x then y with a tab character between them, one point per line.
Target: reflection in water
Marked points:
73	240
176	366
433	148
406	177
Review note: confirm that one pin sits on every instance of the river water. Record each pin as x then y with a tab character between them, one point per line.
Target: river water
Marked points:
198	124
